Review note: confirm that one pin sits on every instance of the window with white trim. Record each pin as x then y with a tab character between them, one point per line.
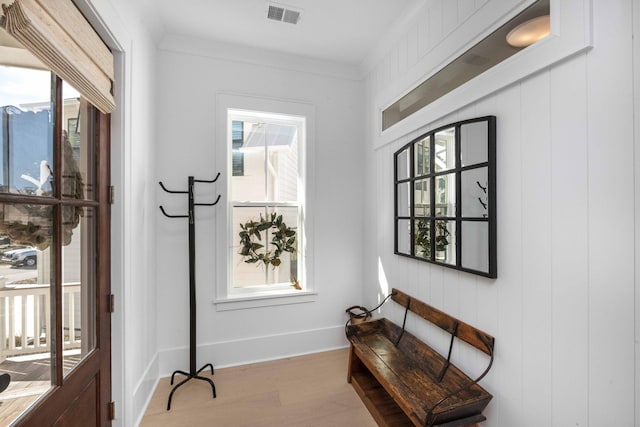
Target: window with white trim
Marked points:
266	202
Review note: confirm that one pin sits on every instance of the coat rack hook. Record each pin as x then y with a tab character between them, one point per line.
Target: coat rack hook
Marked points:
170	191
207	181
172	216
209	204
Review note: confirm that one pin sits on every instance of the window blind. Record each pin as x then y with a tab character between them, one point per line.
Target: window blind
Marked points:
57	33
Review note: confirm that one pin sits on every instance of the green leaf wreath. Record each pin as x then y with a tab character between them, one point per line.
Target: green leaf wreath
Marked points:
283	238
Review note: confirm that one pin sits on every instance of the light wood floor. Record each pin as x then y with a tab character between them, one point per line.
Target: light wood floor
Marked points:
305	391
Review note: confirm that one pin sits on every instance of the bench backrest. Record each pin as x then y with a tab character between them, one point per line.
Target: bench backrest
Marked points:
467	333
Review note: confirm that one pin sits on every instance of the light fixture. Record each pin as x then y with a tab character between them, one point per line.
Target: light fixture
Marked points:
485	54
529	32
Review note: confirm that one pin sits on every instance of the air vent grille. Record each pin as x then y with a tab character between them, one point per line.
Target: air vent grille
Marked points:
276	13
291	16
283	13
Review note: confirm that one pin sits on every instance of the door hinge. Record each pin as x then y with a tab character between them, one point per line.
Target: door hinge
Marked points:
112	410
112	303
112	194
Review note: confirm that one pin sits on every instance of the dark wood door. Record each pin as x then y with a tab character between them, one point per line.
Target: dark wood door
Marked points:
54	201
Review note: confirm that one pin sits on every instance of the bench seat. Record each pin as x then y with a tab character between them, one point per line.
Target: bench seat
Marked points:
404	382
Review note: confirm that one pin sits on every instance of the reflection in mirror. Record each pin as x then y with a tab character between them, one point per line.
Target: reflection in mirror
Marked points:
474	143
422	157
475	193
445	150
475	252
445	241
404	236
446	195
422	238
403	198
402	165
422	198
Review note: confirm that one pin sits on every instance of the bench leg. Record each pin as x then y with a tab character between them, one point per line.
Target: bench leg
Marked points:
351	356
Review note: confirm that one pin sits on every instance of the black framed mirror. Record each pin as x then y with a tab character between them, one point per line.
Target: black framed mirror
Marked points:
445	197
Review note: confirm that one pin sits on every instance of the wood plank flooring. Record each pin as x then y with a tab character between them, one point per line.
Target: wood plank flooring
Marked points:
305	391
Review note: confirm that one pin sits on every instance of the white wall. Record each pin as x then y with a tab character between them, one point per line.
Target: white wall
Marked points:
562	308
191	73
133	173
636	92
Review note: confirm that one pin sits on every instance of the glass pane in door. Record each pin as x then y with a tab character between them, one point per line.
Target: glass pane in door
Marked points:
78	284
78	165
26	333
26	137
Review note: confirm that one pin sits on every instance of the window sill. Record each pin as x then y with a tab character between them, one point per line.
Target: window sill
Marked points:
266	299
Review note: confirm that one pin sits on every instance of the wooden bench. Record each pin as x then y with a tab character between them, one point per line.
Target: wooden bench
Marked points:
404	382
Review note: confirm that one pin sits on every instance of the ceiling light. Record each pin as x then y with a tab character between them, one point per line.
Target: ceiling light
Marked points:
529	32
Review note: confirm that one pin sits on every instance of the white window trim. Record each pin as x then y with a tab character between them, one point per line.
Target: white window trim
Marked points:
224	299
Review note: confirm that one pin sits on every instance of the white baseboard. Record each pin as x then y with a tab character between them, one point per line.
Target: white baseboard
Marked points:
142	393
254	349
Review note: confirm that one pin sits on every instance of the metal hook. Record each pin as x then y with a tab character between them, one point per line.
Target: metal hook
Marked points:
484	205
172	216
208	204
212	181
170	191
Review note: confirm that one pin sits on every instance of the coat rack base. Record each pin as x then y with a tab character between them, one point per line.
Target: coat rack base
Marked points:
189	377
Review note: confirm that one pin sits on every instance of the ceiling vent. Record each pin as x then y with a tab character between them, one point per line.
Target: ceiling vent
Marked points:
281	13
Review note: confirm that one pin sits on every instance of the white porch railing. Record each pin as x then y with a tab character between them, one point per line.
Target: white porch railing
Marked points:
25	319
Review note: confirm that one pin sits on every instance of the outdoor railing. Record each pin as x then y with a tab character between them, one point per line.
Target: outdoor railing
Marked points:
25	319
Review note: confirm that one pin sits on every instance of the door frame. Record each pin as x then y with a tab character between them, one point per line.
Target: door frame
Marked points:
107	22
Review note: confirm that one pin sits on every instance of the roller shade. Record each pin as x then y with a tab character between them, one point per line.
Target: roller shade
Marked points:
57	33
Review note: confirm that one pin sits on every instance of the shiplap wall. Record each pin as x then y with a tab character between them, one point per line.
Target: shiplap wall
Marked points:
562	308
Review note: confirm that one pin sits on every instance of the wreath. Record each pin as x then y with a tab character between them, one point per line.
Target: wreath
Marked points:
283	238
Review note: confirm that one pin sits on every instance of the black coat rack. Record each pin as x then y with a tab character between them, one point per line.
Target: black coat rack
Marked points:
193	373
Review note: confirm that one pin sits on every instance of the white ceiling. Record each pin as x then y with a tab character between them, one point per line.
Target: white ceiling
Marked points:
336	30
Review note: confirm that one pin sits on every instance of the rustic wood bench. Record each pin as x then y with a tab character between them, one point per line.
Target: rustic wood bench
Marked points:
405	382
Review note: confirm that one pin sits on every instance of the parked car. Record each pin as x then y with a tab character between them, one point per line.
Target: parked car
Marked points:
21	257
7	255
7	250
